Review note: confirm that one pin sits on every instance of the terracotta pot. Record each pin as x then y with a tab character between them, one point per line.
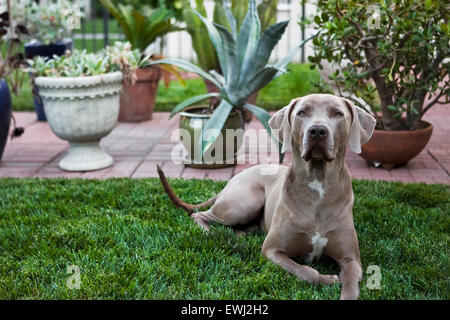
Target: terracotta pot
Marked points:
394	148
248	116
137	101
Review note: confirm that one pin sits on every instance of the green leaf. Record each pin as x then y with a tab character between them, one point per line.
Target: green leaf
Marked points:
263	116
391	107
261	56
188	67
215	123
249	35
282	64
216	40
231	75
190	101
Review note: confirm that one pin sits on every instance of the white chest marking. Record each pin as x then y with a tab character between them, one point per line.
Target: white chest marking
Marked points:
318	243
317	186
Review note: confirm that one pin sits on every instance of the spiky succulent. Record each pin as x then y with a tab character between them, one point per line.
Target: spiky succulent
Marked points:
243	57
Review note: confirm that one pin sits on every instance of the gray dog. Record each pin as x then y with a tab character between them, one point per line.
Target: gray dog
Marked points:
306	208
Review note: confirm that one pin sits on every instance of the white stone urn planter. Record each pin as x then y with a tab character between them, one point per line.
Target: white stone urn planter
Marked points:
82	110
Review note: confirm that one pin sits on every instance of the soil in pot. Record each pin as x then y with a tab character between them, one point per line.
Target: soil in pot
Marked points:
138	100
5	114
396	148
248	116
223	152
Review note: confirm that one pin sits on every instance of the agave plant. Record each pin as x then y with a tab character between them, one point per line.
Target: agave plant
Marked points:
206	54
243	57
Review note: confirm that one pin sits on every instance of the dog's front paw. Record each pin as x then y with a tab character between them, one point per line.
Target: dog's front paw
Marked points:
328	279
349	294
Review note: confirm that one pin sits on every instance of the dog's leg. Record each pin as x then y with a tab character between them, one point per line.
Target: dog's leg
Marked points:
205	218
351	274
306	273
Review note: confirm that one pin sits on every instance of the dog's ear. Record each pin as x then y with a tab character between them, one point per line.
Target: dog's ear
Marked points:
362	126
280	125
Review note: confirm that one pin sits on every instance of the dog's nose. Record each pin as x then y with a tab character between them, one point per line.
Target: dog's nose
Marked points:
318	132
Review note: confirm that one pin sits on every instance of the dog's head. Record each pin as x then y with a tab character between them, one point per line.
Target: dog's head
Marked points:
318	125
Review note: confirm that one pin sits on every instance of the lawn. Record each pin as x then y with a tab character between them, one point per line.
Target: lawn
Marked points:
130	242
278	93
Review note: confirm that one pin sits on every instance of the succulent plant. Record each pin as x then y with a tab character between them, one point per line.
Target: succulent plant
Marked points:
243	57
80	63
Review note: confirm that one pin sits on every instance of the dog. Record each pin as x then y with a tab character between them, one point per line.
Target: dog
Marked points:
306	208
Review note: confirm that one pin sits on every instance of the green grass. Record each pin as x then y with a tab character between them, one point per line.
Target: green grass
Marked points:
130	242
275	95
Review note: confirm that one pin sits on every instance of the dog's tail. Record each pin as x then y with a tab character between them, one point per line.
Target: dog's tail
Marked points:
190	208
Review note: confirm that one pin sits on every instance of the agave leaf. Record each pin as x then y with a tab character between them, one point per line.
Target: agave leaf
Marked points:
188	102
206	55
218	76
263	116
282	64
229	44
188	67
215	123
216	40
259	59
231	19
248	38
258	81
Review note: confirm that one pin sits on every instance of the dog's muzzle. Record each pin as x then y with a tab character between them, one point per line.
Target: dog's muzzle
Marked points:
316	144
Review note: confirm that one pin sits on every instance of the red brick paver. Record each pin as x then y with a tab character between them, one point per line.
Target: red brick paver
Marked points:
138	147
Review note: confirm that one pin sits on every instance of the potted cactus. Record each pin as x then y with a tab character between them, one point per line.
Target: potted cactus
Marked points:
80	94
243	55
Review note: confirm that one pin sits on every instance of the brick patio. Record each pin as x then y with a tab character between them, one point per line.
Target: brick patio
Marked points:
138	147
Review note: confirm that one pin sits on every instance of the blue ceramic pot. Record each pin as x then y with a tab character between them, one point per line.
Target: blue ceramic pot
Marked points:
5	114
36	49
47	50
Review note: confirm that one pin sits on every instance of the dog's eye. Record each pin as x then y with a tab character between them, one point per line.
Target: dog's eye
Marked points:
302	113
339	114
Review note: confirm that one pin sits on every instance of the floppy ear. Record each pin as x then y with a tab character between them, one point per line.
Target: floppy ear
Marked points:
280	126
362	126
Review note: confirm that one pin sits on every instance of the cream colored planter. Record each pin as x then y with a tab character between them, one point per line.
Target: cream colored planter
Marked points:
82	110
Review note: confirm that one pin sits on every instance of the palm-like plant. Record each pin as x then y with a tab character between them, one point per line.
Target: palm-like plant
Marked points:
243	58
141	29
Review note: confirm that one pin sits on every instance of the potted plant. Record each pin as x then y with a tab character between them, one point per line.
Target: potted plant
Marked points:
243	58
11	60
203	47
141	28
80	93
48	29
390	59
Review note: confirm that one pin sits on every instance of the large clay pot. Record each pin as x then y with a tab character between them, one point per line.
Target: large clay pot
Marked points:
34	49
394	148
192	121
137	101
82	110
248	116
5	114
